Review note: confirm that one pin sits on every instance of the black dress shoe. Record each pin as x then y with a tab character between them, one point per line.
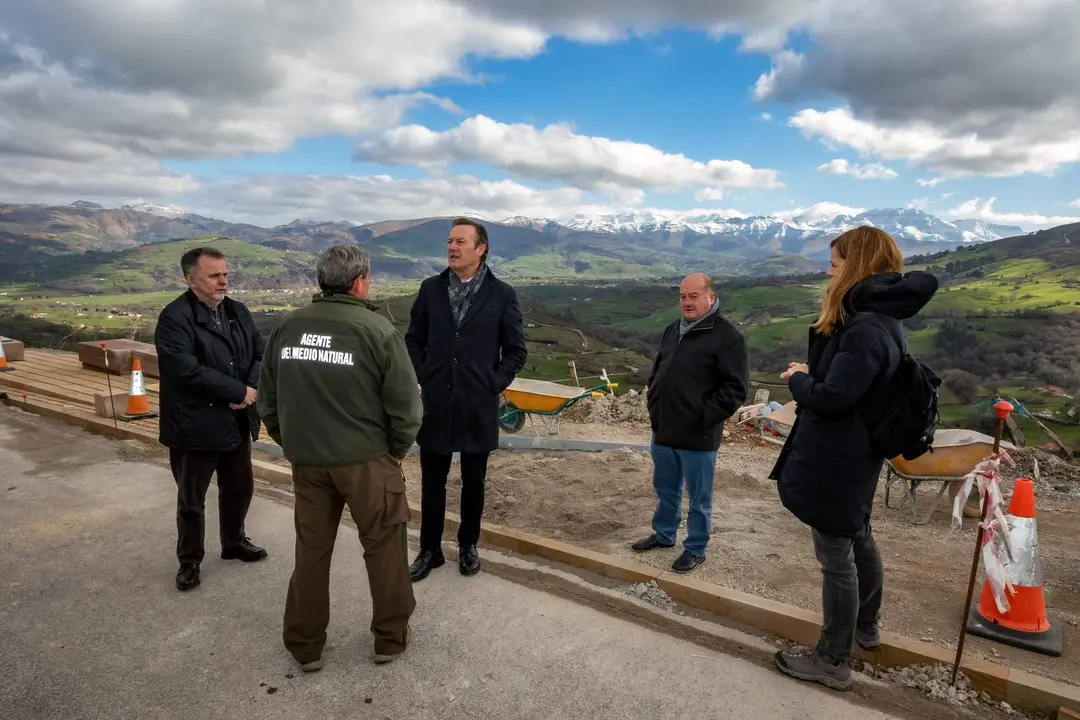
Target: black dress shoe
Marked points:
187	576
687	562
649	543
468	560
425	562
243	551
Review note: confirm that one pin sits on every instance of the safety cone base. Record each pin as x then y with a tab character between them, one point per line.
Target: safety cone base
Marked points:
129	418
1046	642
6	368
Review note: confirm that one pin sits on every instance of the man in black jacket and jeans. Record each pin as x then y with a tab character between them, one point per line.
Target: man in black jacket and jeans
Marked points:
209	356
700	377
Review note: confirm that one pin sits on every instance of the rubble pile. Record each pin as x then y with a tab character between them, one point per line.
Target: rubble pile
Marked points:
1053	470
628	408
651	593
933	680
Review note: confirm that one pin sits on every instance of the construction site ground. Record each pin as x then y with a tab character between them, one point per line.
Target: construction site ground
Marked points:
604	501
93	627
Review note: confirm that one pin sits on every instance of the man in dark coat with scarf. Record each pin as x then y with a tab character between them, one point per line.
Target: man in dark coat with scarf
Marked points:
467	343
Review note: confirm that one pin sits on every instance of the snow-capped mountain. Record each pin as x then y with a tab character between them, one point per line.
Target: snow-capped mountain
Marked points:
166	211
807	233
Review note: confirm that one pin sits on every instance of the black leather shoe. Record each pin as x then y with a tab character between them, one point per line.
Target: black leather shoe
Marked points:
687	562
649	543
187	577
244	551
468	560
425	562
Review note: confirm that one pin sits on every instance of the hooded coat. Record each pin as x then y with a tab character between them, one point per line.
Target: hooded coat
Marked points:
828	470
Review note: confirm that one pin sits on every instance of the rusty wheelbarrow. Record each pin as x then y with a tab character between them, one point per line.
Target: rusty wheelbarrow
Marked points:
956	453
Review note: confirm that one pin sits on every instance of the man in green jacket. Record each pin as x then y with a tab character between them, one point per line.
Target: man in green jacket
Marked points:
338	394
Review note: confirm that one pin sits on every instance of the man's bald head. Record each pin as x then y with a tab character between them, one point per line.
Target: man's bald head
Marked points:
696	296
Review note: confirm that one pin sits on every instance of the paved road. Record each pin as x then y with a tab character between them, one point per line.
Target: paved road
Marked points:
92	627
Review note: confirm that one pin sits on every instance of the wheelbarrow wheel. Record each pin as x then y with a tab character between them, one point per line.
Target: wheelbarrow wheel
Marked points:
510	418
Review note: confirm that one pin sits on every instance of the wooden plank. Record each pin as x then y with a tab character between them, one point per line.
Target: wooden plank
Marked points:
32	383
57	380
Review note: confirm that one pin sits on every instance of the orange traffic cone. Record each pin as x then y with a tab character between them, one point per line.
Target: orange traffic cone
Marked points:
138	405
1025	624
4	367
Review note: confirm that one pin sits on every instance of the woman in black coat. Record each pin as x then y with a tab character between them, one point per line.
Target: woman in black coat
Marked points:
828	470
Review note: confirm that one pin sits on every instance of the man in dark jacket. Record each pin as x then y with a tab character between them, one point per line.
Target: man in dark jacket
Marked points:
209	355
338	393
700	377
467	343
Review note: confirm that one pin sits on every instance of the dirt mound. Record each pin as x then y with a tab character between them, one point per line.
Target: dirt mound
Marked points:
628	408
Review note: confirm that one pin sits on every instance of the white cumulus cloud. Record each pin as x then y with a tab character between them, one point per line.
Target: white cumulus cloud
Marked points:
266	199
954	155
117	88
556	152
977	210
818	212
871	171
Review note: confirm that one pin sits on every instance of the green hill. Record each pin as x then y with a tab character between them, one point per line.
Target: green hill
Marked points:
152	268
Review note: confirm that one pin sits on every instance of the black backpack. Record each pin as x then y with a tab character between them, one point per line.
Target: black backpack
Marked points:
906	413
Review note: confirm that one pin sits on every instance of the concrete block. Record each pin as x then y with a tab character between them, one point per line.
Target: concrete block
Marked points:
104	408
14	350
148	360
119	352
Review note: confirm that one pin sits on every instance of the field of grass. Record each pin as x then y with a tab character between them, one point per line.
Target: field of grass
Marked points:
156	267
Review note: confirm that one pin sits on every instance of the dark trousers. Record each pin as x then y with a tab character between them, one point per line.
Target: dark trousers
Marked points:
375	494
192	472
852	579
434	469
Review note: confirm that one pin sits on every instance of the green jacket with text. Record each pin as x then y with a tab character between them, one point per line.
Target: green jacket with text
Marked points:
337	387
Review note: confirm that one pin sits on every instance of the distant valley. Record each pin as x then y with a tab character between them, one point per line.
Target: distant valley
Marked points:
597	291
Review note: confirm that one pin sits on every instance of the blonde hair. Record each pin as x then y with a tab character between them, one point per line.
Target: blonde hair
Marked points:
866	251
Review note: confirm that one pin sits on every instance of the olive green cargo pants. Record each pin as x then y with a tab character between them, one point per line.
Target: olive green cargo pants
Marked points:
375	494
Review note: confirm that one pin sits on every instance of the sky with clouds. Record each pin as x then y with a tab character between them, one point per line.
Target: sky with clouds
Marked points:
340	110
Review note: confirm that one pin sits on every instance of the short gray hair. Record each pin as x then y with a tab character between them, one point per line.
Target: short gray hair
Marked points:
339	266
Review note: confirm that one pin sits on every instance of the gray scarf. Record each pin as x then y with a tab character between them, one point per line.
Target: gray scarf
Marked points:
462	293
686	326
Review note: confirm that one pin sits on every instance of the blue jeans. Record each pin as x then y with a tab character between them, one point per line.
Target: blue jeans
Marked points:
670	468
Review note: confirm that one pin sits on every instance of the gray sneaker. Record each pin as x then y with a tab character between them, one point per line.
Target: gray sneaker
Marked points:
868	639
813	666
